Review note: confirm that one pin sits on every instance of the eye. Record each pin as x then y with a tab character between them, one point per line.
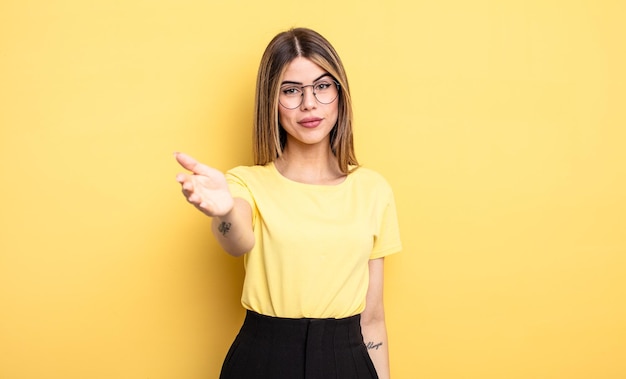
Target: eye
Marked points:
322	86
290	91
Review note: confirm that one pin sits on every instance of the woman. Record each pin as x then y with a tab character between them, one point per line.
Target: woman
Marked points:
312	225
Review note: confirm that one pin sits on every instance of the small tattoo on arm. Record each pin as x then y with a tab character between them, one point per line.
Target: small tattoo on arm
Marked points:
371	345
224	228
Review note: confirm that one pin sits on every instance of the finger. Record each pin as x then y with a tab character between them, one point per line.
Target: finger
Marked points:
206	207
194	199
192	165
181	178
188	186
187	192
186	181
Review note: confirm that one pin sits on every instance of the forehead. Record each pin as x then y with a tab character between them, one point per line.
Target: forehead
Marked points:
302	70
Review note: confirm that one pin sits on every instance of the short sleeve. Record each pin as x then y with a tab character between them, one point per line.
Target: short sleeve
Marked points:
387	241
238	188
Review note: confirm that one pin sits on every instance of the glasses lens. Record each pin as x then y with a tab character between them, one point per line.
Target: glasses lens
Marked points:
326	92
290	96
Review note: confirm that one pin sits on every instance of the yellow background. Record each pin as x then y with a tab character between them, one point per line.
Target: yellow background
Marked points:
500	125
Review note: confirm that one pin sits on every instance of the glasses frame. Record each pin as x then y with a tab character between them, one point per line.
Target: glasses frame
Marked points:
314	94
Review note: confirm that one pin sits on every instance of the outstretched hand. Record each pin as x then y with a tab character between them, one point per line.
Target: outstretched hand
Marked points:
205	187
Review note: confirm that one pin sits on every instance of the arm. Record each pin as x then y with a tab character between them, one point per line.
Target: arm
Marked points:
234	230
207	190
373	320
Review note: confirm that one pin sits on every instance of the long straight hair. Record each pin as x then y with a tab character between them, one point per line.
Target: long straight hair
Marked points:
269	136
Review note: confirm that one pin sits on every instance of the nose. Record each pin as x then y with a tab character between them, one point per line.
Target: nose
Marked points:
308	98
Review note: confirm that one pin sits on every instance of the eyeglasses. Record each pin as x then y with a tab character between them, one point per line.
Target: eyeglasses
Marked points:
325	92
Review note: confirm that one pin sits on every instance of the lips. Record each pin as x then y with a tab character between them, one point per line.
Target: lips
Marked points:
310	122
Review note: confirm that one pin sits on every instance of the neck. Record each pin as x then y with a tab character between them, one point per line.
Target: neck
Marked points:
310	167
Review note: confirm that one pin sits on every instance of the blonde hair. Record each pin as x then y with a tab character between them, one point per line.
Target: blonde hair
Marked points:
269	136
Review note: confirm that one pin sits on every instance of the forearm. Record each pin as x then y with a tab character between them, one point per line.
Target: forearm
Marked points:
234	231
375	339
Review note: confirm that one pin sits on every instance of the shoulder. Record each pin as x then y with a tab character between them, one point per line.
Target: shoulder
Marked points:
249	171
370	178
251	175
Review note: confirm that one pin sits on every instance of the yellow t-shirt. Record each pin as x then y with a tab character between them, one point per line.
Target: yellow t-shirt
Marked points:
313	242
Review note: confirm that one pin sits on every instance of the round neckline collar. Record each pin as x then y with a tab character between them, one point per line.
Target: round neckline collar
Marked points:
308	185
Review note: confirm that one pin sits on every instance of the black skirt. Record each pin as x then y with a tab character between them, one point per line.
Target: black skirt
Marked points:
283	348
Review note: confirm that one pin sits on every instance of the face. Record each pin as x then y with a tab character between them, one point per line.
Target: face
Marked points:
310	123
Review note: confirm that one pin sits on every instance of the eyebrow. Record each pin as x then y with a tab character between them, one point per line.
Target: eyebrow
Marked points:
300	83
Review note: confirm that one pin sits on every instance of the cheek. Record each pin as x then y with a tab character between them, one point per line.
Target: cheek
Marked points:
335	115
282	116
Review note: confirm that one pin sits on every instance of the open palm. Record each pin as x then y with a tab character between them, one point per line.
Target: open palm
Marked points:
205	187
